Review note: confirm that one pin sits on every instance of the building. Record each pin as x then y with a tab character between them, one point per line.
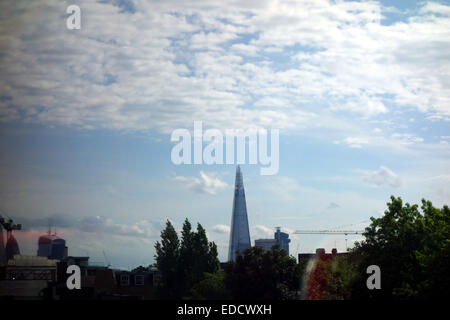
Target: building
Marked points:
51	246
45	276
321	254
82	262
103	283
27	277
138	283
315	281
240	234
280	238
266	244
97	282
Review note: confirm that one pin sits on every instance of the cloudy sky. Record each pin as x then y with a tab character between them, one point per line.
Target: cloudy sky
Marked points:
360	92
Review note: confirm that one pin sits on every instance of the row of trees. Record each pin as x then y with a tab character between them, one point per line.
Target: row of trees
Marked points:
329	279
183	263
190	269
271	275
412	249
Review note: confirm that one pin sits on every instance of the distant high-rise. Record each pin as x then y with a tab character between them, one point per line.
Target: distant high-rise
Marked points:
240	234
51	246
280	238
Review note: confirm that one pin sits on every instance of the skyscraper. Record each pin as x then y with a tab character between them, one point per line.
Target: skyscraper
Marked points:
282	239
51	246
240	234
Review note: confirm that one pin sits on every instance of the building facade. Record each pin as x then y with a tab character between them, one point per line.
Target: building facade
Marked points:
240	234
27	277
282	239
138	283
279	238
266	244
51	246
320	254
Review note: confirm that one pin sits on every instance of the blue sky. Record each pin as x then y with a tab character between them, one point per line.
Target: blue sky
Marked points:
359	92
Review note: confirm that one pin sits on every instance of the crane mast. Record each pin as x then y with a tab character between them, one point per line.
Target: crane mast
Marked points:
9	225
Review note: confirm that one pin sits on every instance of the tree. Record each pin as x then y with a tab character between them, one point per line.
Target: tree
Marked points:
263	275
205	254
212	287
167	261
340	278
182	265
411	249
187	257
434	255
330	279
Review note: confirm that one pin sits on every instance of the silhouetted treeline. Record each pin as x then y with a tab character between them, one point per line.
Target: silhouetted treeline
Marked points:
411	247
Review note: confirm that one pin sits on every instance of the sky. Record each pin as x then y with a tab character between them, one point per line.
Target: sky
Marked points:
359	91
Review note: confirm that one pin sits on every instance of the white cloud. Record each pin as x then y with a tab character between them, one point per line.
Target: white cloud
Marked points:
406	138
94	224
284	188
383	176
244	49
221	228
262	232
434	7
207	183
170	63
353	142
367	106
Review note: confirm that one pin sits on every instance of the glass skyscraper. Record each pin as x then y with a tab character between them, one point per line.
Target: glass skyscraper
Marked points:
240	234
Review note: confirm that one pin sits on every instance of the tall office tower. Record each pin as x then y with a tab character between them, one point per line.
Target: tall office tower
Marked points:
51	246
240	234
282	239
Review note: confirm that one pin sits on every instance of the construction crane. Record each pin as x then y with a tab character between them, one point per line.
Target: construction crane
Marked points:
346	232
330	232
9	226
108	264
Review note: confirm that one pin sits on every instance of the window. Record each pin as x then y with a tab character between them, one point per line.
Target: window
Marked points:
139	280
124	280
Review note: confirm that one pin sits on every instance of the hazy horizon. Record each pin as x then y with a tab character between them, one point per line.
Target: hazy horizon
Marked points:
359	91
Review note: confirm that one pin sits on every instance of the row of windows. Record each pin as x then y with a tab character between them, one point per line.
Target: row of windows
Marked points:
125	280
30	275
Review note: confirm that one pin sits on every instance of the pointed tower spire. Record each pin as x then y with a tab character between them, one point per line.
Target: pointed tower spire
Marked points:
239	235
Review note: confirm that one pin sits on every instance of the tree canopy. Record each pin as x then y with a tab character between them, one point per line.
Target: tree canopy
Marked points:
411	245
256	274
183	264
412	250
